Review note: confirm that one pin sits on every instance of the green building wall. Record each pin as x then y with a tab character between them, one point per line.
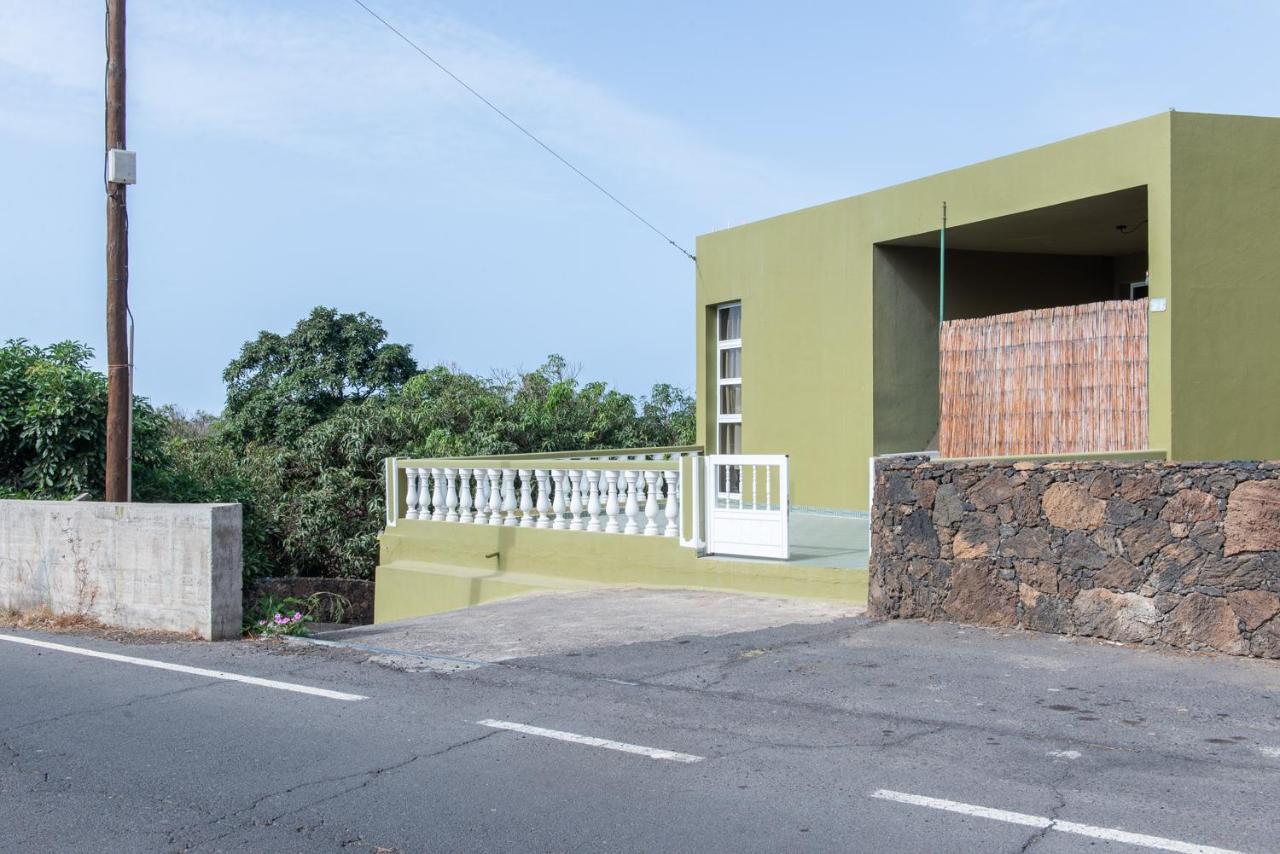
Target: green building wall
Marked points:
827	380
1225	306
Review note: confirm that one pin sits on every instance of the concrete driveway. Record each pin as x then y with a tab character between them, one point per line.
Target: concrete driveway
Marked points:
579	621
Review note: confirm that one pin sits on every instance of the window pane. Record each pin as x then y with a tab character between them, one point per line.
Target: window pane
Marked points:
731	400
730	438
731	323
731	363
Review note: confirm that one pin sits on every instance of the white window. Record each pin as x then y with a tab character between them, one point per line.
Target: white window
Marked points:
729	379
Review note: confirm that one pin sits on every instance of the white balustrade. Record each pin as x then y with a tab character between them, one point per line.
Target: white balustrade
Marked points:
495	496
411	494
526	498
482	498
437	497
450	495
424	493
558	521
673	502
544	499
651	503
509	498
575	497
611	503
575	500
633	503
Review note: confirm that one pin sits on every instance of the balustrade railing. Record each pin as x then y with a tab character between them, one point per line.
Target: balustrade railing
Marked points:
630	492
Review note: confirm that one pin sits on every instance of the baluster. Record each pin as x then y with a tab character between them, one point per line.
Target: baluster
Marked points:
754	469
495	497
651	503
593	500
482	498
450	495
575	500
557	500
526	499
437	497
673	502
611	503
411	494
509	497
633	503
544	499
464	496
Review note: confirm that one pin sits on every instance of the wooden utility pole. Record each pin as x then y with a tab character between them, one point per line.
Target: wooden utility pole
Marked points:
119	393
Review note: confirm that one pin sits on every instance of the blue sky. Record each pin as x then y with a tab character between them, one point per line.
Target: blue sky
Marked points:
295	153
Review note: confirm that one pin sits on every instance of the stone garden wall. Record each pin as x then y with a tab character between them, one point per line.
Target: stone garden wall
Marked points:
1181	554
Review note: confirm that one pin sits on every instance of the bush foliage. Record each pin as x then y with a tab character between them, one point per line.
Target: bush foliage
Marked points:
310	416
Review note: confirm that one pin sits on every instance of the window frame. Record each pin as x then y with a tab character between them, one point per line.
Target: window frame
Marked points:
722	382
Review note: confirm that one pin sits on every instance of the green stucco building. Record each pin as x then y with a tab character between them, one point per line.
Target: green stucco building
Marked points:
820	337
837	348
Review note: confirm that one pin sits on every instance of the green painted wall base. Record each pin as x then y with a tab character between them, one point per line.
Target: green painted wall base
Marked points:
429	567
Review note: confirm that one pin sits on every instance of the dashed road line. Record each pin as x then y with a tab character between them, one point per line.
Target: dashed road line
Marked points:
1045	823
182	668
592	741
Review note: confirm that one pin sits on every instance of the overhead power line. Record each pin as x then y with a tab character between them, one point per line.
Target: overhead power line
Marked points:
411	43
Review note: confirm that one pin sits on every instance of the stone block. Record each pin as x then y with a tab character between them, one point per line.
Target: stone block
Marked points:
992	490
1253	517
1190	505
1254	607
979	536
1205	620
1144	538
1124	617
1070	506
1119	574
978	595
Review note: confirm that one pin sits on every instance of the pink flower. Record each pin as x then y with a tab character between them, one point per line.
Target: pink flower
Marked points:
297	615
262	622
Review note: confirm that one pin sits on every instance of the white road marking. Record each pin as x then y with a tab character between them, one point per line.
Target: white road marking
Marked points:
651	752
182	668
1273	752
1107	833
1065	754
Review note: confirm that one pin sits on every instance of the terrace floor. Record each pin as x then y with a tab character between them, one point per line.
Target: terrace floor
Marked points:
825	539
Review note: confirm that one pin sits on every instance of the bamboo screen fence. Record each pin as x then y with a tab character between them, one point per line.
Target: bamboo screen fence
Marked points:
1048	381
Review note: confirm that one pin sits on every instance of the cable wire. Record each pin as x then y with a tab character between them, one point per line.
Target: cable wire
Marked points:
411	43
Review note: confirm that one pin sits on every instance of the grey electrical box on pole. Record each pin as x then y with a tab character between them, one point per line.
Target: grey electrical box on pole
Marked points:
122	166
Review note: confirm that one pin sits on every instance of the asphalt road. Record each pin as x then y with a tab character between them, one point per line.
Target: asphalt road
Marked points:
828	737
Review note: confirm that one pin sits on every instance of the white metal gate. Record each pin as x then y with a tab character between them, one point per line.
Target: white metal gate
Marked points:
747	505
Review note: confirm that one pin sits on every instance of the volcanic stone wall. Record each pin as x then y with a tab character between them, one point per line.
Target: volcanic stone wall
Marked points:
1181	554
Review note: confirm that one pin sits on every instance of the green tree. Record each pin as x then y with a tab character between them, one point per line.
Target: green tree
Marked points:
280	385
53	411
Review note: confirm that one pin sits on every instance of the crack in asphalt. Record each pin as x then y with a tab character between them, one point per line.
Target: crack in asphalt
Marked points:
107	708
1061	803
369	775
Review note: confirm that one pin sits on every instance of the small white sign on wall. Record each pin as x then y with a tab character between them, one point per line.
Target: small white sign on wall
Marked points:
1159	304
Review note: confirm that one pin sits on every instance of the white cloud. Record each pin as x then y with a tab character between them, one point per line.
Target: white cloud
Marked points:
331	81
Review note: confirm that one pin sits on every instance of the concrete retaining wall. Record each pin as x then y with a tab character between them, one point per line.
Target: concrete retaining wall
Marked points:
1181	554
175	567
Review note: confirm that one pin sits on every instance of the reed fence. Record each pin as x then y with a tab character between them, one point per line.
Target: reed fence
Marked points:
1048	381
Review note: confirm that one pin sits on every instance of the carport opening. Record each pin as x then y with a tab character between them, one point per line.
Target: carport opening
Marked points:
1085	251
